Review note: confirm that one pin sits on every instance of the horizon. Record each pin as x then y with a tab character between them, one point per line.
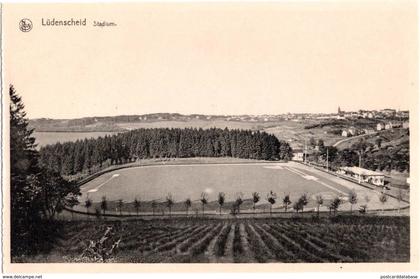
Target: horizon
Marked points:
216	115
213	59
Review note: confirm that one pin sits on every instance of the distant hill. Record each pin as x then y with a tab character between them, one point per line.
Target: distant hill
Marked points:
114	123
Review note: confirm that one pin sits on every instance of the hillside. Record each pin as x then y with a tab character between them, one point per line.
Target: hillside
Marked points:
129	122
195	240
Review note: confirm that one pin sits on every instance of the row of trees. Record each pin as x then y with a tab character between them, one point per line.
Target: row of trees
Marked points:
73	157
37	193
271	197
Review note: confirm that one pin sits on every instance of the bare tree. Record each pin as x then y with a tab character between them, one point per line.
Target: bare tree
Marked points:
88	204
188	204
335	203
383	198
97	213
137	205
221	201
271	198
319	202
298	206
286	202
204	200
239	201
352	196
120	205
303	200
367	200
255	199
104	205
169	203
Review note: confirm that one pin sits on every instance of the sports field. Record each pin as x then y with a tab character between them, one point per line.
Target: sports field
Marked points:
149	183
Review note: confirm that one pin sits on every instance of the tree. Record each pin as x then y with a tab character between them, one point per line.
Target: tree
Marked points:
169	203
88	204
204	200
286	202
312	142
97	213
255	199
35	191
297	206
367	200
271	198
25	186
335	203
352	196
56	193
221	201
137	205
188	204
120	205
239	201
104	205
321	144
303	201
378	142
319	202
383	198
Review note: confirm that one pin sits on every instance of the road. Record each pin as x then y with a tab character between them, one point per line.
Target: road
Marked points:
356	137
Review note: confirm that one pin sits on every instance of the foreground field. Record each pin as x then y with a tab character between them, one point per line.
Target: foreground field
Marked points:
341	239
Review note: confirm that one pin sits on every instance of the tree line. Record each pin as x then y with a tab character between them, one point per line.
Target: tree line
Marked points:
235	207
74	157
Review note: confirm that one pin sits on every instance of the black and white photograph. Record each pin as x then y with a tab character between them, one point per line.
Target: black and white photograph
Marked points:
235	133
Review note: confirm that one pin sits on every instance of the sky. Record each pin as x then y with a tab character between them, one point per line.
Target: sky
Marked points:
238	58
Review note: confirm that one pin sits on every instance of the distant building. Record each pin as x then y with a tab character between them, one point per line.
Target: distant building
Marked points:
298	155
406	125
388	126
344	133
389	112
364	175
380	126
368	131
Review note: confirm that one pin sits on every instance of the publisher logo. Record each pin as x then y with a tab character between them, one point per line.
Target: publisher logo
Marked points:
25	25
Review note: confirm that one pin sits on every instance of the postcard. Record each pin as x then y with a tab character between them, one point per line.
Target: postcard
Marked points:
210	136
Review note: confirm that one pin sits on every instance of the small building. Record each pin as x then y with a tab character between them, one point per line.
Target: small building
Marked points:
345	133
298	155
406	125
364	175
380	126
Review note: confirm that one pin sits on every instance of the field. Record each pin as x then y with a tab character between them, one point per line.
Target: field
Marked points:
44	138
340	239
153	183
